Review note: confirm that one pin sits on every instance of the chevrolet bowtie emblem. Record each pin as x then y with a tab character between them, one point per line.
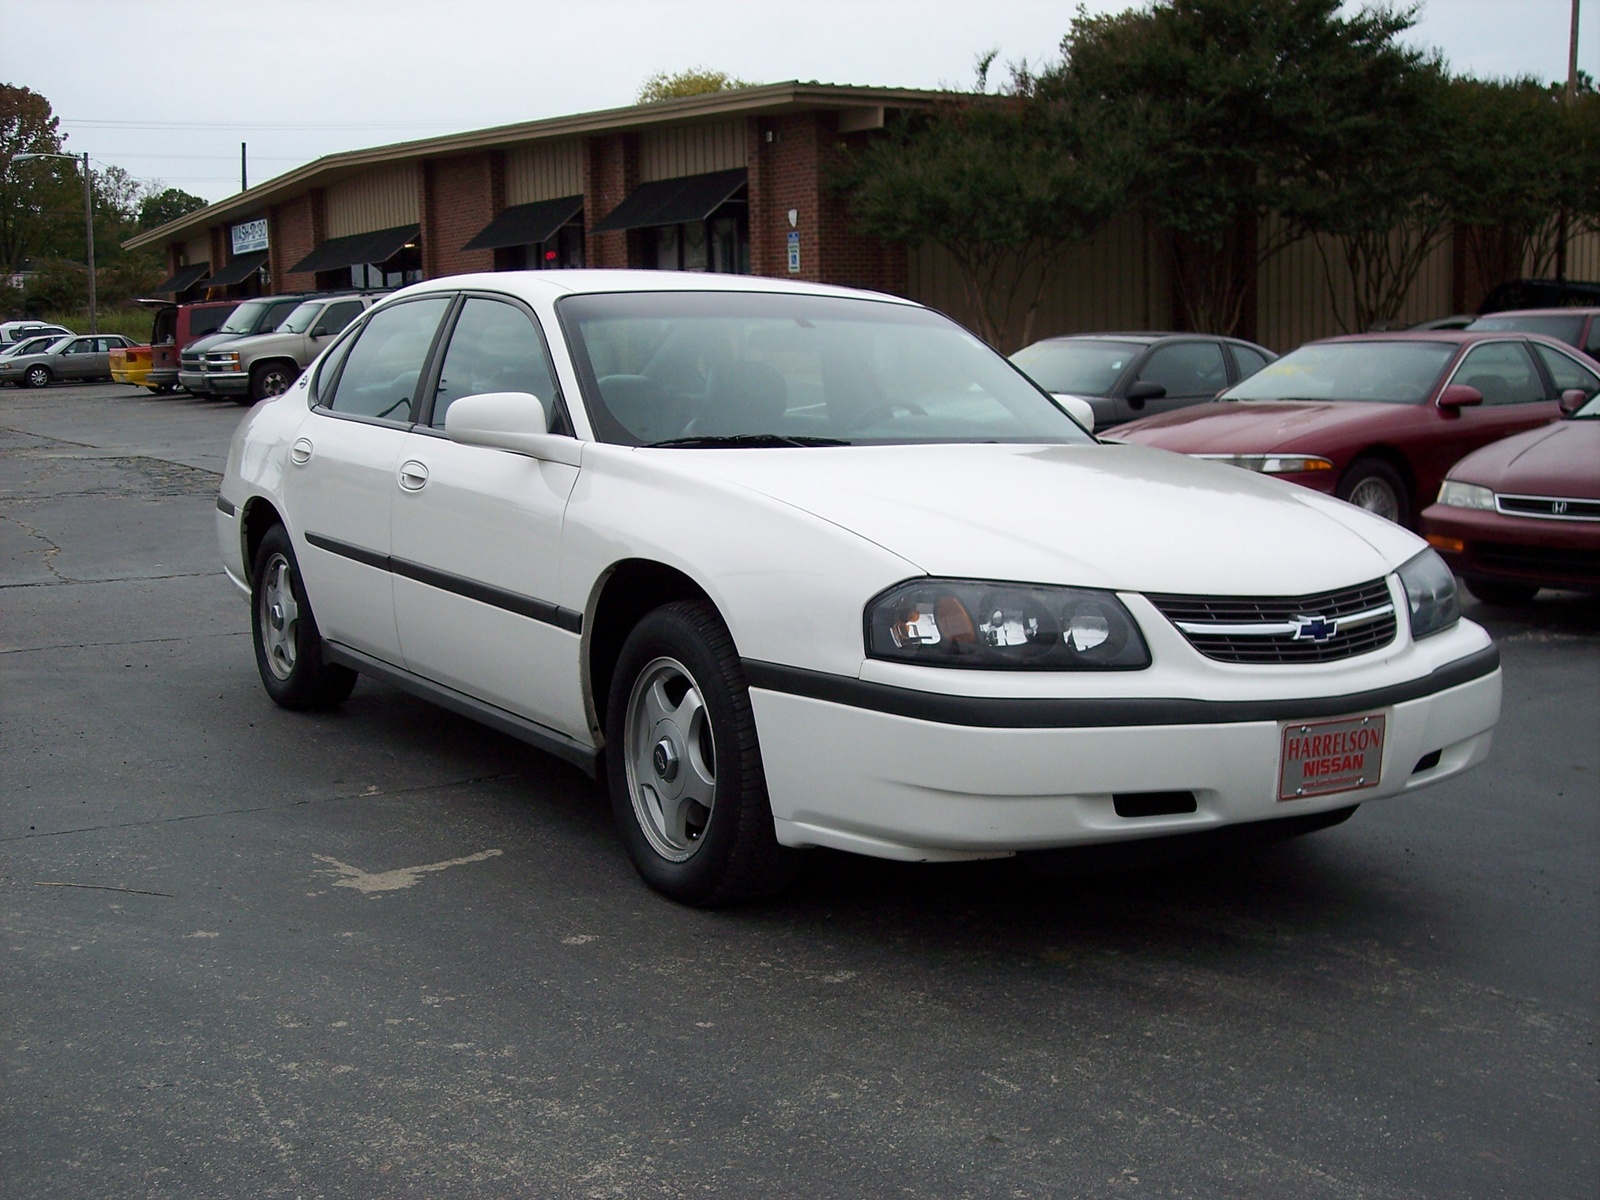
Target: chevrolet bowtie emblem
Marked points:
1314	629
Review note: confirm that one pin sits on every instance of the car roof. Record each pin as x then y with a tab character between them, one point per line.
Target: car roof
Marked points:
1573	310
1456	337
1142	336
550	284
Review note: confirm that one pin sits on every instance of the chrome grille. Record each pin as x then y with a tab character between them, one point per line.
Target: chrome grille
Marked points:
1558	508
1323	627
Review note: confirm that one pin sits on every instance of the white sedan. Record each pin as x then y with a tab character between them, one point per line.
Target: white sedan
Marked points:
799	566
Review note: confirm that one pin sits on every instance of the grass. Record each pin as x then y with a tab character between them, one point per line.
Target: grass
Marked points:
134	323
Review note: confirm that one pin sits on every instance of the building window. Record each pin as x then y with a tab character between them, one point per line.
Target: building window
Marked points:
563	250
400	268
720	245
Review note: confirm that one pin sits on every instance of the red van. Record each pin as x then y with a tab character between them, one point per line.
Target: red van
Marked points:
155	366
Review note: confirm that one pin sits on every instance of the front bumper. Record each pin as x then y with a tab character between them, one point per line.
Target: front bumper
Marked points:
846	771
196	383
1526	550
227	383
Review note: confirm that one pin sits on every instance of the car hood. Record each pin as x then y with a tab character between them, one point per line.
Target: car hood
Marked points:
1248	426
1553	460
265	341
1107	516
212	341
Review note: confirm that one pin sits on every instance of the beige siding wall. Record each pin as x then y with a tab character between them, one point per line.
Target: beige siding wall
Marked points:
1296	304
198	250
1583	256
546	171
377	199
1117	280
691	150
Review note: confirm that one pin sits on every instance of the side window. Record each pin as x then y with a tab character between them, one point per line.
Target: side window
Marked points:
1567	373
336	316
1187	369
1592	345
1249	361
81	346
381	370
1503	372
495	348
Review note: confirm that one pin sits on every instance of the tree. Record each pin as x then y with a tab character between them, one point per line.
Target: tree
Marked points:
696	81
31	191
169	204
1235	105
1004	185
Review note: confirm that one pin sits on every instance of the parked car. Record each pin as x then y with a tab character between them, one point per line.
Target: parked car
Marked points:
1375	419
13	332
1578	327
266	364
1539	293
812	567
1524	513
260	315
1124	376
155	365
32	345
1453	321
68	358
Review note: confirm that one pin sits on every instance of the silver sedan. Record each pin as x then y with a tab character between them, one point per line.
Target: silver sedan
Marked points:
86	357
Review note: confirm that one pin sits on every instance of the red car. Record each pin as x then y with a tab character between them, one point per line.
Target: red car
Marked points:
1377	419
1524	513
1578	327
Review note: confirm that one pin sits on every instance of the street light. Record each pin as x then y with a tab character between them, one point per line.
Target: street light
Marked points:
88	218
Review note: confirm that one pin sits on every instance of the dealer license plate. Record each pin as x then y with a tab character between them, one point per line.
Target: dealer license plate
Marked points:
1320	757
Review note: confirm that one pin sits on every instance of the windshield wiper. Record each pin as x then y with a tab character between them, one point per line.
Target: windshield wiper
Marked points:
753	441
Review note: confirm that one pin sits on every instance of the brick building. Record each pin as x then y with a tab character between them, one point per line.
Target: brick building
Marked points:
732	181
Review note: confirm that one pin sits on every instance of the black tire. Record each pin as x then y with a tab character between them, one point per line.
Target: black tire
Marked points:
271	379
287	644
1495	591
727	852
38	376
1375	485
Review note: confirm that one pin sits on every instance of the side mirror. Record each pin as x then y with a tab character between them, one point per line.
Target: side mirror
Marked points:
1076	407
1572	400
1458	396
510	421
319	331
1145	390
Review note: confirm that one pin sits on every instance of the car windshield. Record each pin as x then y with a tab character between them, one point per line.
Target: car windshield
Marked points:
32	345
1589	412
1384	372
300	319
1560	326
1081	368
244	318
763	369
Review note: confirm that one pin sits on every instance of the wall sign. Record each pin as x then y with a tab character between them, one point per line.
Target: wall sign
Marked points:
249	236
794	252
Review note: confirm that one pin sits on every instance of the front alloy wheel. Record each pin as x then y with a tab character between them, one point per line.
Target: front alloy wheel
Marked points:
287	643
38	376
271	380
1374	485
683	764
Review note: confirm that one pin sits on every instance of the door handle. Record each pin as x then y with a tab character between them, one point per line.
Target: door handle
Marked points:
300	452
413	475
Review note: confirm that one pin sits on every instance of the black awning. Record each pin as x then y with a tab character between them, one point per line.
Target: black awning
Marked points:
671	201
525	224
238	270
185	279
375	247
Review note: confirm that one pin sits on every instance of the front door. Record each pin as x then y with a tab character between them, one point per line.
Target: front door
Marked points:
1189	371
477	537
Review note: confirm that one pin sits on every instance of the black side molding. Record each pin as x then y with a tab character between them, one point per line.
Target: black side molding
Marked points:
585	758
226	507
524	606
1008	712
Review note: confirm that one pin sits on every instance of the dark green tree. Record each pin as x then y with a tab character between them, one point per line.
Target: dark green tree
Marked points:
168	204
1237	105
1005	185
32	192
696	81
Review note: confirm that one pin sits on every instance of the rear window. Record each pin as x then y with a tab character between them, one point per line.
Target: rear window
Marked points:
1560	326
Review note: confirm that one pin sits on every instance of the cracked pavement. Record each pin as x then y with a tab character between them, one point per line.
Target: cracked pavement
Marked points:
386	952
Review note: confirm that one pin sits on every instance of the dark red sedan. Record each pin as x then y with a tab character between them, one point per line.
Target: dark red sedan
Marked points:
1524	513
1377	419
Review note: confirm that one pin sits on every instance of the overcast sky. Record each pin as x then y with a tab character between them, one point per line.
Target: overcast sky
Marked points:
167	89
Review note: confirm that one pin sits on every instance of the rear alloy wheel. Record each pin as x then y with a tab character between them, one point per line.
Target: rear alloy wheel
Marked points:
38	376
1374	485
1494	591
683	764
272	379
288	645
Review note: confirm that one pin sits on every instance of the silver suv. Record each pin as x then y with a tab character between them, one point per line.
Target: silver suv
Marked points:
265	364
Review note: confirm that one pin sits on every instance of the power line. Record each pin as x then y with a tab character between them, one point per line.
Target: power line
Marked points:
298	125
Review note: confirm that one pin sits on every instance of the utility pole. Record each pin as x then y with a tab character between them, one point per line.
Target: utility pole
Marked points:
244	179
1572	98
88	217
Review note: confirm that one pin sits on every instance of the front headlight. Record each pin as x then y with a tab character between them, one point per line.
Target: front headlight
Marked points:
1465	495
1003	626
1273	464
1431	593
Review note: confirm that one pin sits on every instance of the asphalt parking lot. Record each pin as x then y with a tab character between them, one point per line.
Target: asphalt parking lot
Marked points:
388	952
